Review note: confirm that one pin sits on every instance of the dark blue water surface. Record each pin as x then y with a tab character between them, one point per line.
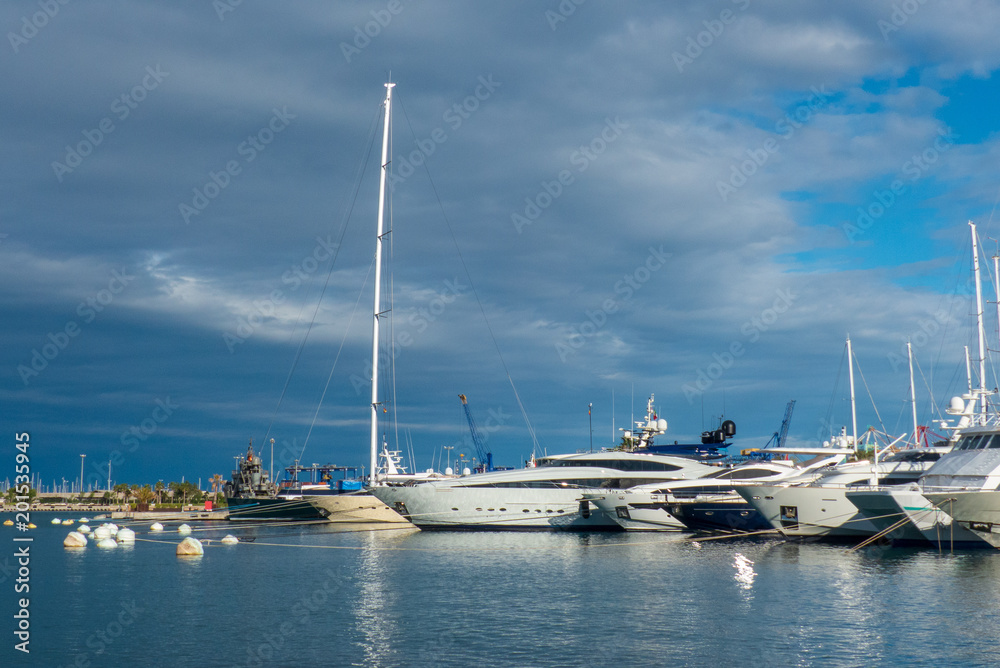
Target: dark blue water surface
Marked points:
320	596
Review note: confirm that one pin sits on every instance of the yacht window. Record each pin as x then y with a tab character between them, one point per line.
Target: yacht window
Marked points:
971	442
744	474
914	455
619	464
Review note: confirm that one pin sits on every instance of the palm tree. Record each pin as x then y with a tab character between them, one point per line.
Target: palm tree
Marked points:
144	495
159	491
175	489
216	481
121	491
189	489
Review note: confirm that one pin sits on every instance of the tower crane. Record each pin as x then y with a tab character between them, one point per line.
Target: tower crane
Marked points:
779	436
485	456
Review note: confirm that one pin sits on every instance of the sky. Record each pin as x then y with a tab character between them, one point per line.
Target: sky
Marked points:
592	203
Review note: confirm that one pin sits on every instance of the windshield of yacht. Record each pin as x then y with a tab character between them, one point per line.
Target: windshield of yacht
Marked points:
741	473
617	464
915	455
978	442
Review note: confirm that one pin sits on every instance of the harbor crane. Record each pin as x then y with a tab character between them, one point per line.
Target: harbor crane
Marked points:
779	436
485	456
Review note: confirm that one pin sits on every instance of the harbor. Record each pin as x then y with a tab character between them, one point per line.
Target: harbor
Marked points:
388	334
323	595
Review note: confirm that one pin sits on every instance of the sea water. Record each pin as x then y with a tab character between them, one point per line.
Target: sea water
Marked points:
327	596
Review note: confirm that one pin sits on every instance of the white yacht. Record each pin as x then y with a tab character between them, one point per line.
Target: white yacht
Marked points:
711	500
821	509
955	503
547	496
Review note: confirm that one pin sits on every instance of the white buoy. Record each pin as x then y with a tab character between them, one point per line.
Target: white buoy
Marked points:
107	542
102	532
230	540
84	520
184	529
190	547
83	528
75	539
67	522
156	526
8	523
125	535
56	521
114	528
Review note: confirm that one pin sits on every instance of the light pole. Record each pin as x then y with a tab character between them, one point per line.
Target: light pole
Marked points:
81	475
591	419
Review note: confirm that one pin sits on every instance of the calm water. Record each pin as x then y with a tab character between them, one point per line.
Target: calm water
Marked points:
408	598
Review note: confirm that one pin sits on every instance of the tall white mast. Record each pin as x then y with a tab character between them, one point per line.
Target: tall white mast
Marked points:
378	281
979	320
913	394
854	413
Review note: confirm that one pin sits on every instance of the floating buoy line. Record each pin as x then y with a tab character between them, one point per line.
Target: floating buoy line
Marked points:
109	536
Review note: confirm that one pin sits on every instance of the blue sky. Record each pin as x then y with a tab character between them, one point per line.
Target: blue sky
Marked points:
700	172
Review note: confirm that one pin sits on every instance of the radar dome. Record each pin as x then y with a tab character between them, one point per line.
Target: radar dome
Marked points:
661	424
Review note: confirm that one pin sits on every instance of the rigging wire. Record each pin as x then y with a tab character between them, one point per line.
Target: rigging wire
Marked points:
392	305
870	397
833	395
345	221
337	358
472	285
935	408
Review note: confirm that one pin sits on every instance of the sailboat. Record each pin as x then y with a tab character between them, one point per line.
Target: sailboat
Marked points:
339	503
362	506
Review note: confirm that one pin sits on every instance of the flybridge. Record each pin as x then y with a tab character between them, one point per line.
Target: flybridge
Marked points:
641	440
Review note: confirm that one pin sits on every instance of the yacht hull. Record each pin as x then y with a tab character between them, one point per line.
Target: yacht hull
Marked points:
720	516
974	518
489	508
355	508
272	509
809	512
635	512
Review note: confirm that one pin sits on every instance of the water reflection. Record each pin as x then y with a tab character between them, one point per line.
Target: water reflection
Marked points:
375	622
745	573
